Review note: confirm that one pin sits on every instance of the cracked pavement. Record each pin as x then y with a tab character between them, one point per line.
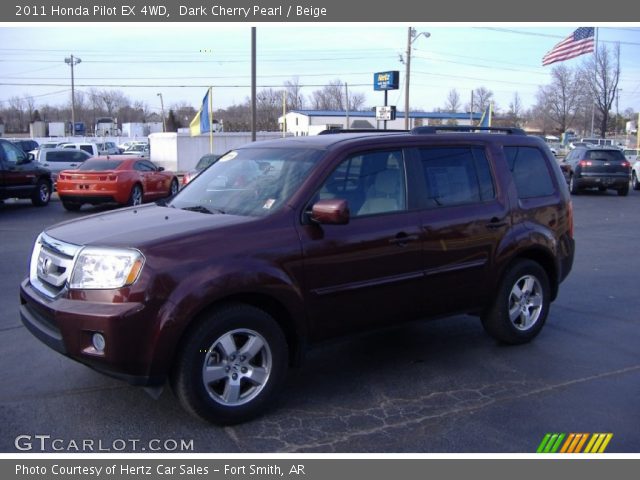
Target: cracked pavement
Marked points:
440	386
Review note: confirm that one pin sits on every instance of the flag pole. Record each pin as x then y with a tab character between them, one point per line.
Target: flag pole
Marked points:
210	119
595	79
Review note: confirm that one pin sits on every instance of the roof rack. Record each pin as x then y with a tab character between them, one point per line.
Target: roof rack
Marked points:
466	128
358	130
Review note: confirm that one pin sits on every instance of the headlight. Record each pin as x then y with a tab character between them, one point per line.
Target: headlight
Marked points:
106	268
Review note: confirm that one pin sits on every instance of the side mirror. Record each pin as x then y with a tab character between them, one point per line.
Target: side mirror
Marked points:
330	212
161	169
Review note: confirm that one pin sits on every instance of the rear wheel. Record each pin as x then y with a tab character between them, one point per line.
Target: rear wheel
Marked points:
136	195
521	304
71	206
42	193
174	187
624	191
231	365
573	185
634	181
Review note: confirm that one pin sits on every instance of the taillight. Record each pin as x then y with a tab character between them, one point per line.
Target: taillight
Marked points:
585	163
626	164
570	218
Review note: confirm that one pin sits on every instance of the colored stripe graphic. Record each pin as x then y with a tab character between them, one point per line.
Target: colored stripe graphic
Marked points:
574	443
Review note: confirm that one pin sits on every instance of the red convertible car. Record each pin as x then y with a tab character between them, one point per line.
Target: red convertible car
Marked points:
122	180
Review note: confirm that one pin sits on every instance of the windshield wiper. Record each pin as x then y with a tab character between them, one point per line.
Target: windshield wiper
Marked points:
203	209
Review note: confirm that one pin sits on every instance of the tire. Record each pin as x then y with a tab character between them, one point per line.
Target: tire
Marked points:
240	387
71	206
634	181
521	305
624	191
42	193
573	186
136	195
173	189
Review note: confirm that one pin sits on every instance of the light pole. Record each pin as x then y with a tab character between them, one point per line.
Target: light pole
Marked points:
412	36
71	61
164	122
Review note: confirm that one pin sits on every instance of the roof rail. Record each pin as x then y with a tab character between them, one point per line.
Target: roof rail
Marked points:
466	128
358	130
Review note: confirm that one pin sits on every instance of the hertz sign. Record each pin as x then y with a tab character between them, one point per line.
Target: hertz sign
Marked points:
386	80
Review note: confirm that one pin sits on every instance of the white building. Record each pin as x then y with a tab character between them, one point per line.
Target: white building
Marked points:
312	122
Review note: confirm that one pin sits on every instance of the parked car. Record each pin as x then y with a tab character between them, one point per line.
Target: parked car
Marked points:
631	154
128	144
204	162
25	145
108	148
598	167
138	150
283	244
59	159
89	147
121	180
21	177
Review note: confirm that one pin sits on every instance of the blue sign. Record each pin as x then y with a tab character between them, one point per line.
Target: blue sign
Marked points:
386	80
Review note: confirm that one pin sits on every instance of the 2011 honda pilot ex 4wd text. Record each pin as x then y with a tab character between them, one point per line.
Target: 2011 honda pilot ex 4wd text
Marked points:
282	244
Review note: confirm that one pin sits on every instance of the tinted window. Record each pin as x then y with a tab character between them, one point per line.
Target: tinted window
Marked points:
100	165
372	183
530	171
60	156
456	176
87	148
605	155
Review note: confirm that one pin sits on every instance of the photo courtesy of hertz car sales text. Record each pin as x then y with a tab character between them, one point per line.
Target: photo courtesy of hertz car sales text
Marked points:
282	244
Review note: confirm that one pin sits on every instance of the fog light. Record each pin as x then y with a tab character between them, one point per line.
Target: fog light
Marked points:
98	342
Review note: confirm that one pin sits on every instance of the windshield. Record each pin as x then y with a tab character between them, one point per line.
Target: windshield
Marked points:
250	182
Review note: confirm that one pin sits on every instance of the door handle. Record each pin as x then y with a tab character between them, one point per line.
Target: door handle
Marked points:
73	164
402	239
495	222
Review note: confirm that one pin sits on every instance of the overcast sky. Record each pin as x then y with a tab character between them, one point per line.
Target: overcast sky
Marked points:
181	61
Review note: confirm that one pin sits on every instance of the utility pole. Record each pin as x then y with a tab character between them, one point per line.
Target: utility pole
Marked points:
253	84
346	95
71	61
412	36
164	121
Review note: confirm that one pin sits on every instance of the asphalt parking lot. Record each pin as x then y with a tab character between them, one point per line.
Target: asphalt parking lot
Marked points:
441	386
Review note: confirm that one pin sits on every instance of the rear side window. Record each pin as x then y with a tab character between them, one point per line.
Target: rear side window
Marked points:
87	148
530	172
456	176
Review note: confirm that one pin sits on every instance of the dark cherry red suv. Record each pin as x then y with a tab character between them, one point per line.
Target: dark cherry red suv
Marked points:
279	245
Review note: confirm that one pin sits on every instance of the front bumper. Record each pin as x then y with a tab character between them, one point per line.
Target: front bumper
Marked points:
67	326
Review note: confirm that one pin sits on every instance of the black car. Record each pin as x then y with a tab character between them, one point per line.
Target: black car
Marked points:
26	145
598	167
22	177
204	162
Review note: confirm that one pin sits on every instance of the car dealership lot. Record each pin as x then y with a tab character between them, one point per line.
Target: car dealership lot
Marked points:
441	386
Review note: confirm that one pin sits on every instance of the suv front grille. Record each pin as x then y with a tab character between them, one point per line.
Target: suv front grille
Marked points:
51	264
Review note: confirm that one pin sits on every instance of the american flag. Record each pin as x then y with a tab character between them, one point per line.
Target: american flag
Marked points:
578	43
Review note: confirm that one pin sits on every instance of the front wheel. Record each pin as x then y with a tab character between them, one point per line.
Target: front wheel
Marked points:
634	181
231	365
521	304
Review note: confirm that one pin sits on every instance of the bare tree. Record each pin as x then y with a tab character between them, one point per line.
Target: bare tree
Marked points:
295	99
482	97
562	100
603	72
452	104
